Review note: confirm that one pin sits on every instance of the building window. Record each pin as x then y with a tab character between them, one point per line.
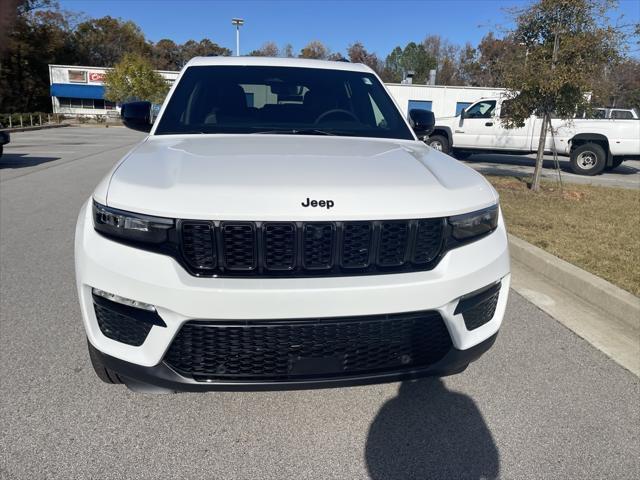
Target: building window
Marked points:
76	102
99	104
87	103
420	104
109	105
461	106
77	76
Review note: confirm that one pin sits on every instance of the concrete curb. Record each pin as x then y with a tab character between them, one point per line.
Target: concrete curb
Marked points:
587	287
36	127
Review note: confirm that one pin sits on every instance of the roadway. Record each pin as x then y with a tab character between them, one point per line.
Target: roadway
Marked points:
542	403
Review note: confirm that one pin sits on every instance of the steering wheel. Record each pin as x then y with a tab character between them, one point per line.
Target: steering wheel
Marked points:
336	110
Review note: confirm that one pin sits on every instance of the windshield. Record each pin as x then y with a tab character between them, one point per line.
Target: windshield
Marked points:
309	101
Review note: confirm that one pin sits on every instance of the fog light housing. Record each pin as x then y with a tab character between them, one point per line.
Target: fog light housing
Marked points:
123	300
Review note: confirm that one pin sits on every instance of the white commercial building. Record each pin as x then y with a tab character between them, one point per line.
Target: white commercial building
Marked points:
80	90
442	100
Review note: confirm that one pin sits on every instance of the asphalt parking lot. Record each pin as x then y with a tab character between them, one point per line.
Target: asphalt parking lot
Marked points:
542	403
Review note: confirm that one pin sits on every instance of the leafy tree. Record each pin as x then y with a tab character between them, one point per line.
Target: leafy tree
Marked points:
36	39
203	48
315	49
445	55
358	54
336	57
103	42
268	49
166	55
413	57
134	78
565	45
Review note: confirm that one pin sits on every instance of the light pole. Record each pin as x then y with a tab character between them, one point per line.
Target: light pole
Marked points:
238	22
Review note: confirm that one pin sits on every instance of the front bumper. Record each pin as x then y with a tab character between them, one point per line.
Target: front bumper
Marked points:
179	297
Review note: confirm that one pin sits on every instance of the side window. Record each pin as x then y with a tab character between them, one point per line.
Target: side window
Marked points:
622	114
461	106
482	109
420	105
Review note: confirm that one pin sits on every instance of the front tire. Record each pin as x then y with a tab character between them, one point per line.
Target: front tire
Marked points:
588	159
105	374
439	142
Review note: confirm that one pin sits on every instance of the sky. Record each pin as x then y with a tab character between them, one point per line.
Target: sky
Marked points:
379	24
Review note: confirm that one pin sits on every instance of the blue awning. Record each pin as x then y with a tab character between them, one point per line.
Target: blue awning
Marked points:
77	91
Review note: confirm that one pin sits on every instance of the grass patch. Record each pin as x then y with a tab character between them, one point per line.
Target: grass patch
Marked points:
595	228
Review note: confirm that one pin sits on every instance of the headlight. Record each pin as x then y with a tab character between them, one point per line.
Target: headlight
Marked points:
130	226
474	224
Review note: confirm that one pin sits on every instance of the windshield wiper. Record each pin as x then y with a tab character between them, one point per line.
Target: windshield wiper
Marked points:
295	131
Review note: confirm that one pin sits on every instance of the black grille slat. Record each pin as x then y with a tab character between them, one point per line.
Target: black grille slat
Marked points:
279	246
356	244
318	245
281	350
394	238
198	245
428	240
244	248
239	243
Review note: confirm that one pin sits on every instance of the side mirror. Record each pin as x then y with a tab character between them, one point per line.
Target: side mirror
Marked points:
463	114
137	116
422	121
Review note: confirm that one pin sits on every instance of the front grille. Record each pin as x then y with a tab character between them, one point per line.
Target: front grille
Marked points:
318	348
310	248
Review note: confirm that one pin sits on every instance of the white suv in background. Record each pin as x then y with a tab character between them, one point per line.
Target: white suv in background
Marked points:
283	227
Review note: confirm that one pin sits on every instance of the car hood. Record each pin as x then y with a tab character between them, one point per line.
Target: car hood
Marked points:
269	177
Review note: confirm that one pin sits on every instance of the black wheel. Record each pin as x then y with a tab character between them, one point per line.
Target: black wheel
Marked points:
103	373
588	159
617	161
461	155
438	142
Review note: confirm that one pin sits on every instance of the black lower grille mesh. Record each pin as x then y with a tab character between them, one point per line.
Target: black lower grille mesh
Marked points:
281	350
121	328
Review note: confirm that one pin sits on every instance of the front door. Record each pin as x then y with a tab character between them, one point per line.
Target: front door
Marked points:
478	127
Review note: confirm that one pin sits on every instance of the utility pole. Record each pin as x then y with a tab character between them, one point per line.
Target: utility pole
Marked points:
238	22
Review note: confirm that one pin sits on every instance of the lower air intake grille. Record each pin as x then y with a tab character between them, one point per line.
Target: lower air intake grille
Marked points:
295	349
119	327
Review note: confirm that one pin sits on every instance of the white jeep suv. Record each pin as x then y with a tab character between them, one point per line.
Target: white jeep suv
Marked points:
282	226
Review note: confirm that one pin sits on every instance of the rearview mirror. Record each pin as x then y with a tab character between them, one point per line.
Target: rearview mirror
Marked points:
137	116
422	121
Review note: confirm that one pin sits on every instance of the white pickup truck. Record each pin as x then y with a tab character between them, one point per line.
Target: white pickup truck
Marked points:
593	145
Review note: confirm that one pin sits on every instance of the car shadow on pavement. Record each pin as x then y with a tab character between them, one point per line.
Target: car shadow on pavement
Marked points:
21	160
429	432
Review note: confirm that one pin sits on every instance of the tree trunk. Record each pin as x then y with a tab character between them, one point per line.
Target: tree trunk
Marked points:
535	184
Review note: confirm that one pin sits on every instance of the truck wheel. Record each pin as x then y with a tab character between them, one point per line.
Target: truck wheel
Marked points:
617	161
439	142
588	159
103	373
